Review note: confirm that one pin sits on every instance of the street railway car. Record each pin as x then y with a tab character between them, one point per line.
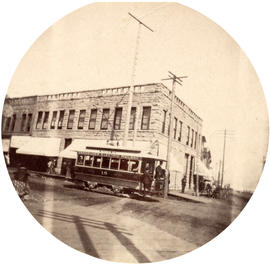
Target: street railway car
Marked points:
120	170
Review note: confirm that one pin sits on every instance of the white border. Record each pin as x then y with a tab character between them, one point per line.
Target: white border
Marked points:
24	241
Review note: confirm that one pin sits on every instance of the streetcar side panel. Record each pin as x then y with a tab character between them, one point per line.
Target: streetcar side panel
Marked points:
109	170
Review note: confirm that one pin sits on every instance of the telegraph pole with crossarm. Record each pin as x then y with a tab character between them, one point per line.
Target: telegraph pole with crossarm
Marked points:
131	89
175	79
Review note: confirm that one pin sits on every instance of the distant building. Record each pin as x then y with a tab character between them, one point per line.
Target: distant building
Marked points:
39	128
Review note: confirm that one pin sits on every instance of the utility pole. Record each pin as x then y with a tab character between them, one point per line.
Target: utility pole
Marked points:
223	161
131	88
178	80
219	173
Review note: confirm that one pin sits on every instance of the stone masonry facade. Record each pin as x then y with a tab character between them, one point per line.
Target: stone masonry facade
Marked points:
36	115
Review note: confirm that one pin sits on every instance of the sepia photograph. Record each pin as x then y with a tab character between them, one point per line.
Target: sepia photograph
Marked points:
133	132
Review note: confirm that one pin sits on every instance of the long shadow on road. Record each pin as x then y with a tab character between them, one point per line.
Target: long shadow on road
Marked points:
88	245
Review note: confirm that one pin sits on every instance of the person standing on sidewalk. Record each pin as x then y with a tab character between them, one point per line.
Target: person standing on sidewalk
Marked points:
184	183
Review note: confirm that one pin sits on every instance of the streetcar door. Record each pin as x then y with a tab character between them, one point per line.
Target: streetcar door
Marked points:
150	163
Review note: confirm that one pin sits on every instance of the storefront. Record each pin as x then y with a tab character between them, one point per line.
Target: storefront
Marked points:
16	142
37	152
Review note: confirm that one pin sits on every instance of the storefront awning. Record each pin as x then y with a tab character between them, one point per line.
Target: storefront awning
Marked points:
41	147
18	141
5	145
202	170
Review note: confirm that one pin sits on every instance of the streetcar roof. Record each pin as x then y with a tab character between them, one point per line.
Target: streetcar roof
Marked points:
84	146
119	154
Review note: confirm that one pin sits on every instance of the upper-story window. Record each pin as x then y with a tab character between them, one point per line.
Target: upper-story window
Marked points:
105	119
23	122
61	119
195	142
188	134
53	121
164	121
146	118
29	121
192	138
92	120
46	120
71	119
13	122
175	128
39	120
117	119
132	118
180	131
81	119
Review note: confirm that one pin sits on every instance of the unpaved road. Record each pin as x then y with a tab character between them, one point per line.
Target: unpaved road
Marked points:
122	229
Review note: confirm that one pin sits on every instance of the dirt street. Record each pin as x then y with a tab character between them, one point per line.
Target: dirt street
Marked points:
124	229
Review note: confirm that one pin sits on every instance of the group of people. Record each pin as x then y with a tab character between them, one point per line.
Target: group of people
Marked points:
51	166
158	177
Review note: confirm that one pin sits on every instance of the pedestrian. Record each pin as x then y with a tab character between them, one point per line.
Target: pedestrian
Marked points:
159	177
54	164
147	179
159	170
49	170
184	183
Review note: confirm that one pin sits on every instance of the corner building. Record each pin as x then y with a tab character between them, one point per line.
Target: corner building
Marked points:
39	128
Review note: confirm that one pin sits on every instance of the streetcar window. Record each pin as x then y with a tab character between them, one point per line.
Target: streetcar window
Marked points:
80	160
115	163
88	160
105	162
97	161
134	165
124	164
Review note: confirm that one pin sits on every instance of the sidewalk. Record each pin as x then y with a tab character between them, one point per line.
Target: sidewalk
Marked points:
189	197
50	175
45	174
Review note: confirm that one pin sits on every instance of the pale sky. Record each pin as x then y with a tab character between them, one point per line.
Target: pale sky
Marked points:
94	48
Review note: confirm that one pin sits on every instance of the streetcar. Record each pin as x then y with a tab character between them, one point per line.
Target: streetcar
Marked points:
119	170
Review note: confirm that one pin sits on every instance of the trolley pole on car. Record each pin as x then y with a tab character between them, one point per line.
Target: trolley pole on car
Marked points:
178	80
133	73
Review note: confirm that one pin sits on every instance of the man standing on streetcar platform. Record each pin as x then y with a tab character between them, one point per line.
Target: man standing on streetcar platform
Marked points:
159	177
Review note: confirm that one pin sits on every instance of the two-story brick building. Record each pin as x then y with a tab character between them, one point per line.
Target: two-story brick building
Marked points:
42	127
